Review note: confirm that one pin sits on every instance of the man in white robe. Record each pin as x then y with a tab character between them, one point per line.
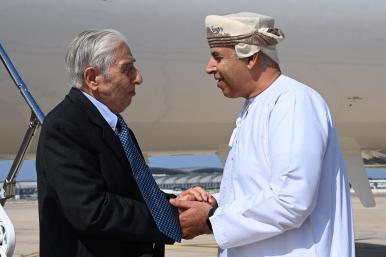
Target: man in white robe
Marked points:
284	190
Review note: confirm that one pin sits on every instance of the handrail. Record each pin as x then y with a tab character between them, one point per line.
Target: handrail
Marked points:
37	117
21	85
7	231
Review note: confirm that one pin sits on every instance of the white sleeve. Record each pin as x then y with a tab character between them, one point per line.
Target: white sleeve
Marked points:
298	126
216	196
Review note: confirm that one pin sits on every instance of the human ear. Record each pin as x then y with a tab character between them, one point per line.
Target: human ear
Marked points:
252	60
90	77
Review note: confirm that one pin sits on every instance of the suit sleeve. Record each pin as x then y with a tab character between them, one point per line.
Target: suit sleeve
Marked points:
72	172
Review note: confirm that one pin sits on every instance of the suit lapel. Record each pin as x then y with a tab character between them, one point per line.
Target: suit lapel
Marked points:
108	135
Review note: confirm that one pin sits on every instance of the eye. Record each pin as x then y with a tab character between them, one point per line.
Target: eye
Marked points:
217	58
127	68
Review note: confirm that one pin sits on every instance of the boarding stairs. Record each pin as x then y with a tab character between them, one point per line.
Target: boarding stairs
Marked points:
7	231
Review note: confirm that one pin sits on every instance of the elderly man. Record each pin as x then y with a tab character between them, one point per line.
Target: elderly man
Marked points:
284	190
96	194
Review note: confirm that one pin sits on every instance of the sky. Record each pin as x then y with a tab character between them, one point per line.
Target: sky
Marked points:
28	172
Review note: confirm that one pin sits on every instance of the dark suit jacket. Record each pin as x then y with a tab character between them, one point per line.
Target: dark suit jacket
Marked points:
89	202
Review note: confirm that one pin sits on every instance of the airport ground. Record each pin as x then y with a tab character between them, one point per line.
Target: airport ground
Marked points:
370	232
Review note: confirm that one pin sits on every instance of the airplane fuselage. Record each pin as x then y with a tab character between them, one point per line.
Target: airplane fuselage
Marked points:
335	47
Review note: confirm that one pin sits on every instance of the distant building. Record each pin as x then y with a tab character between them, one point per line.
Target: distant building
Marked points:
378	184
179	180
175	181
209	181
25	190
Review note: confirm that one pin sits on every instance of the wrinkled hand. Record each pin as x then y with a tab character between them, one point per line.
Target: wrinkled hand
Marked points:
192	217
197	194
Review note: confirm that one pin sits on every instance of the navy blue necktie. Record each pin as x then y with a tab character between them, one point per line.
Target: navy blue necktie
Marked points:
160	208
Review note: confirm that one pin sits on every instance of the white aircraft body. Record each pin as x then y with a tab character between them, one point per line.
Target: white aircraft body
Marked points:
336	47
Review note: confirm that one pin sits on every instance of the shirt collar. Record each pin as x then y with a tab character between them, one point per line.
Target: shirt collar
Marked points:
110	117
249	101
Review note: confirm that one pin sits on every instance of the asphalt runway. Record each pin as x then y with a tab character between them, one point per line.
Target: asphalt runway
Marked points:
370	232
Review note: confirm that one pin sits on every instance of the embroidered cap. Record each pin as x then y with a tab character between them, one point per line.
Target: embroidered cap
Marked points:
249	33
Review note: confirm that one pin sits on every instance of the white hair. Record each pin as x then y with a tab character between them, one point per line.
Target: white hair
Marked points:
92	48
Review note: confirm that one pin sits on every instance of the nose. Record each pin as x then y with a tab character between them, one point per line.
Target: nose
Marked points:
211	66
137	80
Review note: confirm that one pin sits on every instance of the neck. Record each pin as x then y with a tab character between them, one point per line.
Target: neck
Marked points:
86	90
89	92
263	79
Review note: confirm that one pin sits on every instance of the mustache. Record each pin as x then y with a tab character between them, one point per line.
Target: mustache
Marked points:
217	76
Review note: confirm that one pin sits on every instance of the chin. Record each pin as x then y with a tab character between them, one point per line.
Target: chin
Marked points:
126	105
121	109
227	94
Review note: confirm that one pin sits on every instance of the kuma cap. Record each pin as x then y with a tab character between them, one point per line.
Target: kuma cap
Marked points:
247	32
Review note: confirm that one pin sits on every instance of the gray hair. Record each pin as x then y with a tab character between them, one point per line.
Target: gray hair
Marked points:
92	48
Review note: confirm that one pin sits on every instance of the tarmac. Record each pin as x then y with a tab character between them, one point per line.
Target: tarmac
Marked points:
370	232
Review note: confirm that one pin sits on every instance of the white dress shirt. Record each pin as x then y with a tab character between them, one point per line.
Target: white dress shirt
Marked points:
110	117
284	190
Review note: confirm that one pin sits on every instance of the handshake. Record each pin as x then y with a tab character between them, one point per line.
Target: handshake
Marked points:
193	206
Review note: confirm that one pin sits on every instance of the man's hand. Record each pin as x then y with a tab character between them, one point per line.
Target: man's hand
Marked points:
197	194
193	216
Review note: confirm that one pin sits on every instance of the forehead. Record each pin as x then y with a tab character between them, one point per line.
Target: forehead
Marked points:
223	51
124	55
